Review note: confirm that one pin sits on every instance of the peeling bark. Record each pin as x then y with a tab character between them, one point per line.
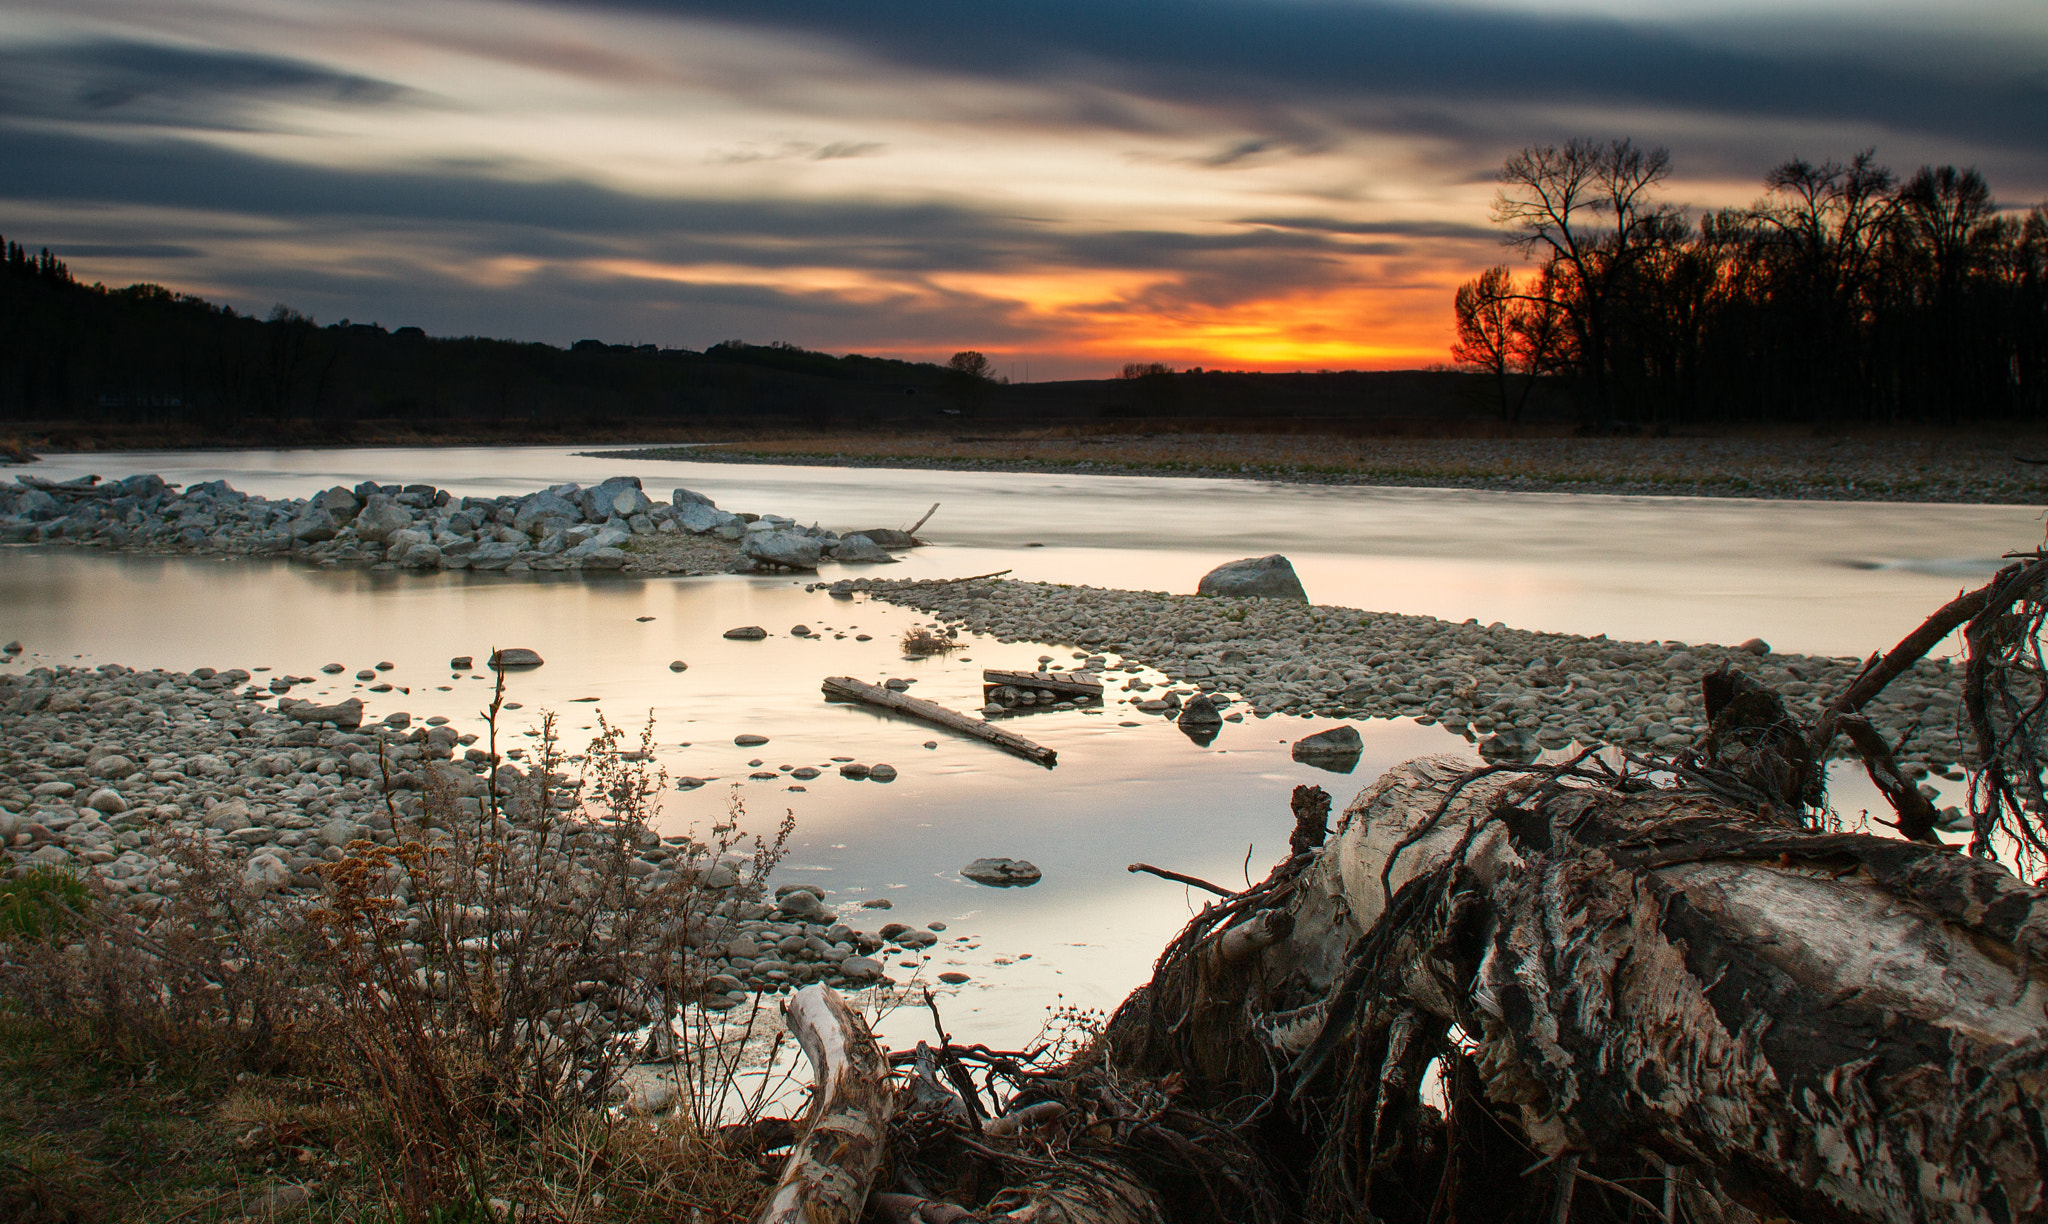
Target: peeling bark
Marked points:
826	1179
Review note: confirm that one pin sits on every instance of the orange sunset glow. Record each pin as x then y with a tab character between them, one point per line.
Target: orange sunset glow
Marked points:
1235	184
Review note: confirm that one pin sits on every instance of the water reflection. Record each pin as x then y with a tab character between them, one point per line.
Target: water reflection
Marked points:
1128	787
1695	569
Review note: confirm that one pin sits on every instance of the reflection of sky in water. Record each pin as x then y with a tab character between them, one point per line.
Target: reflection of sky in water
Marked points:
1694	569
1118	795
1654	567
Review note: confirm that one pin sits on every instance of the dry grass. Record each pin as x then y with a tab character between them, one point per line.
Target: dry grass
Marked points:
442	1029
920	643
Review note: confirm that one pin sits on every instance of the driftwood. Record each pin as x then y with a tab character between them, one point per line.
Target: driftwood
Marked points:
826	1178
1066	684
846	688
1597	990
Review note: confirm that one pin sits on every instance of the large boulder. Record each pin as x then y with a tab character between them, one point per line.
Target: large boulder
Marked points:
545	513
701	518
619	496
689	497
602	538
339	502
1266	577
314	525
380	516
789	549
494	556
856	548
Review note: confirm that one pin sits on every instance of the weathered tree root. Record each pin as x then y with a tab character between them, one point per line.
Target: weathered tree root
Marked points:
1547	992
1806	1025
826	1179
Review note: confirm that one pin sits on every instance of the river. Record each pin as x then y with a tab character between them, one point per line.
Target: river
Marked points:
1819	577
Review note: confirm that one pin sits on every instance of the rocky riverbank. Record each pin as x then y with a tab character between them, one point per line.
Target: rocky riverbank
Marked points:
612	526
131	777
1958	469
1513	691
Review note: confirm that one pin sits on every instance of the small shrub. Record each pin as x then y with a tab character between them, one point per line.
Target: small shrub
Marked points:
921	643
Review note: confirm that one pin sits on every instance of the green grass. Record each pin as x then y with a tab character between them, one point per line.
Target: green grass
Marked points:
42	902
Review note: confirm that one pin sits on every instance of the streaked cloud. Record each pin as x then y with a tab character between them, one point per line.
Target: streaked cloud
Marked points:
1215	182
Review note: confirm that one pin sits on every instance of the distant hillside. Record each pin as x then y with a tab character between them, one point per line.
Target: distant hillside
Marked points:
128	361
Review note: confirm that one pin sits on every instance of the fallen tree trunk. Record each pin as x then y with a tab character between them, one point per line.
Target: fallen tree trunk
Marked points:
846	688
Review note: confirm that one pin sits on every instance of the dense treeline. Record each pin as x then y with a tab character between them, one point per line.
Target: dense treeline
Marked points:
144	354
1845	295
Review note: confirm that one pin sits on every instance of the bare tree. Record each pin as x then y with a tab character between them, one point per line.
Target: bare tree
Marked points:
1512	332
1586	208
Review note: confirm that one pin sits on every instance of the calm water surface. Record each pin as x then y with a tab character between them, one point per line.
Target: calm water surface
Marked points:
1837	578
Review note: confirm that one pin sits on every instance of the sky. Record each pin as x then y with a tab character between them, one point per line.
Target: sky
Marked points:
1064	185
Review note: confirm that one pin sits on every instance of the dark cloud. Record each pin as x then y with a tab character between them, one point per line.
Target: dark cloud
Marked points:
149	84
1435	62
125	250
569	219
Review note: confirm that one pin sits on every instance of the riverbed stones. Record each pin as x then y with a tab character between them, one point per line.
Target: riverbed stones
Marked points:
1279	657
1269	577
1002	872
345	715
859	549
788	548
516	656
746	633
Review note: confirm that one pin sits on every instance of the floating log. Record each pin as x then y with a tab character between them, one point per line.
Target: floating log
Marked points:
1066	684
846	688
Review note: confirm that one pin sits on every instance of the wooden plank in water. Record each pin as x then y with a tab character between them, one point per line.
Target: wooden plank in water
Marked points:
846	688
1064	683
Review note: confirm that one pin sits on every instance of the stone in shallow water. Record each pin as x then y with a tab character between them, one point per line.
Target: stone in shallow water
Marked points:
516	656
1001	872
1336	749
747	633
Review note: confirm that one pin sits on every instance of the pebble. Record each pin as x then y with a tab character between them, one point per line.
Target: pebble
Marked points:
749	740
197	757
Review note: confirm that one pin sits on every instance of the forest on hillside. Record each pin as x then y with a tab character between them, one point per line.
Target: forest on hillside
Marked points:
146	354
1845	295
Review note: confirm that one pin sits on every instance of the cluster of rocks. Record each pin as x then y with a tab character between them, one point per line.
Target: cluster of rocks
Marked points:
613	525
1513	690
110	771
